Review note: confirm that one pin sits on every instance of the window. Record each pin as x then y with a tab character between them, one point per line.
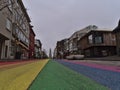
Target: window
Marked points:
90	39
17	30
19	34
8	24
98	40
98	37
10	5
27	29
20	21
27	41
13	49
24	27
16	16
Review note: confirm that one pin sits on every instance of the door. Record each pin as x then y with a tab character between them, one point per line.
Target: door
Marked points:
0	49
6	48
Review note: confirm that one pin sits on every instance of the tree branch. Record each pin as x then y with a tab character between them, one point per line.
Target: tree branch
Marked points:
5	5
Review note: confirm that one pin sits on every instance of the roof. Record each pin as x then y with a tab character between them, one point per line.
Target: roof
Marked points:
98	30
88	29
117	29
103	29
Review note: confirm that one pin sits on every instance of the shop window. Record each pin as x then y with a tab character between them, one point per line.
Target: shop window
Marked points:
104	52
87	53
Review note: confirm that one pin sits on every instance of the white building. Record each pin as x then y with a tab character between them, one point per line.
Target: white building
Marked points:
14	30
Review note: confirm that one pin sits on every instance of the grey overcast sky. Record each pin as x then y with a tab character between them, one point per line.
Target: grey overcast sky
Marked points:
54	20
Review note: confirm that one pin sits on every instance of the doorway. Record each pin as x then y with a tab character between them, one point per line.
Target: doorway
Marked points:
0	49
6	48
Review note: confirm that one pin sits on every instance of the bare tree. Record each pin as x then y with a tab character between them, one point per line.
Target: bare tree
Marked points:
5	3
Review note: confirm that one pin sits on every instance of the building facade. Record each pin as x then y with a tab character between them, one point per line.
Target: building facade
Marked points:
89	41
60	48
14	31
21	32
98	43
55	53
74	47
38	49
32	43
5	31
116	31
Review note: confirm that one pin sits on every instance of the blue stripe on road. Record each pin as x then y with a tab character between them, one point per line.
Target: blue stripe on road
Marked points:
107	78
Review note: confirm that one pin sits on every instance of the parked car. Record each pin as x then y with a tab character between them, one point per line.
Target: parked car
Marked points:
75	57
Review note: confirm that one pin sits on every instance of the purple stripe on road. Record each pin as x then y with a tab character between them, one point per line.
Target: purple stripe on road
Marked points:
100	66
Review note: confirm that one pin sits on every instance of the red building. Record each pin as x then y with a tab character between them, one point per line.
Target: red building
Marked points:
32	43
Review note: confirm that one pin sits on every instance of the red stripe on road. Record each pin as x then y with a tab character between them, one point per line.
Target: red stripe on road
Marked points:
104	67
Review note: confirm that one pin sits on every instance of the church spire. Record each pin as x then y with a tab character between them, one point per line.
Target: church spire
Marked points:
50	53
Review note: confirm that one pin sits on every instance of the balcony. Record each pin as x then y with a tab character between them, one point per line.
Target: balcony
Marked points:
2	37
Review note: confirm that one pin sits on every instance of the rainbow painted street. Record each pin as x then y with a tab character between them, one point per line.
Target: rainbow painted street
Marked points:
19	76
58	75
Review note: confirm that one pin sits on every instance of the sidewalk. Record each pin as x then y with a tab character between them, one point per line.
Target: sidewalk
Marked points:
111	60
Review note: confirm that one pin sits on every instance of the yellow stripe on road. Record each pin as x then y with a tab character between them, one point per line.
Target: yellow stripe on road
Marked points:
20	77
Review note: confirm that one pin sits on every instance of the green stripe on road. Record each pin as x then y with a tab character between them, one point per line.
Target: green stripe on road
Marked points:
55	76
